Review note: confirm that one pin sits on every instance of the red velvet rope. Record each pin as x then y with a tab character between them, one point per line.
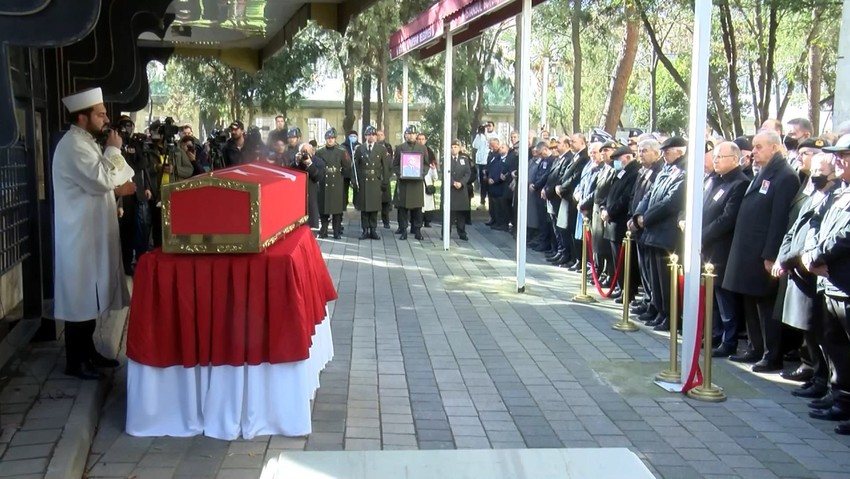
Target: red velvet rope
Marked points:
695	374
593	267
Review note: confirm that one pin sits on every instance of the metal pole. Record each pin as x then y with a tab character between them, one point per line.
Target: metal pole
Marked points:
706	391
673	374
625	324
693	207
582	296
841	106
544	97
447	141
404	96
522	176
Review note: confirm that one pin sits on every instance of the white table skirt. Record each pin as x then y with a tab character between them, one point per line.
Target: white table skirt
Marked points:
225	401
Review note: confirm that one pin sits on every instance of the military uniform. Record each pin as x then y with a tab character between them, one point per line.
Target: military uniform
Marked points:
411	192
461	171
386	194
291	151
369	171
331	187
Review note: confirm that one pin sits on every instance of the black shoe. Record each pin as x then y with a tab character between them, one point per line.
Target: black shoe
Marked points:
569	264
418	235
824	402
801	374
723	351
554	259
84	370
398	230
749	357
337	235
374	235
811	391
100	361
427	225
403	236
766	366
386	226
832	414
463	237
617	293
638	302
639	309
489	223
792	356
648	316
656	321
843	429
364	236
663	326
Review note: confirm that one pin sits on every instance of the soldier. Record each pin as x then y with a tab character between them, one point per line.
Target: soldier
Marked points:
369	176
293	137
411	190
331	190
461	170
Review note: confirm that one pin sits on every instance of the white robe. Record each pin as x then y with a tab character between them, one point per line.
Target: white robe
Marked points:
89	275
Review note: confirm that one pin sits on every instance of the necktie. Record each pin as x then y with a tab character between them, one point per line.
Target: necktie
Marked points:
369	148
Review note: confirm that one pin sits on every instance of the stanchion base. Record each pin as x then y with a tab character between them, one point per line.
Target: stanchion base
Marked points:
625	326
583	298
709	393
669	376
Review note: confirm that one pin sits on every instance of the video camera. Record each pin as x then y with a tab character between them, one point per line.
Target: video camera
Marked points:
166	129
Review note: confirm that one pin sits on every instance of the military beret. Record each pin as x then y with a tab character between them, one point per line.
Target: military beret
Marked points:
370	130
744	143
331	133
610	144
674	142
410	129
635	132
623	150
294	132
842	145
816	143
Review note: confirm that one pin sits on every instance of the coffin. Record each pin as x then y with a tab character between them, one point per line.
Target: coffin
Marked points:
242	209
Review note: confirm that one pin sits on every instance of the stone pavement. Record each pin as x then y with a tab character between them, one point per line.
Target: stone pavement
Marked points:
435	350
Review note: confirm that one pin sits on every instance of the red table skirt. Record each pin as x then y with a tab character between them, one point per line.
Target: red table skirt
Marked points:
213	310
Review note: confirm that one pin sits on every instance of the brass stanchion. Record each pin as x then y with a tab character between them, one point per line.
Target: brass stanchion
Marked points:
625	324
672	373
707	391
582	296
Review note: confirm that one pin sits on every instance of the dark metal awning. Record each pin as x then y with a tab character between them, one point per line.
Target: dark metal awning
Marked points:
465	19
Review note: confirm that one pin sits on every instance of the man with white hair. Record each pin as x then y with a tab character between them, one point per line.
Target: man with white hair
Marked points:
759	229
89	274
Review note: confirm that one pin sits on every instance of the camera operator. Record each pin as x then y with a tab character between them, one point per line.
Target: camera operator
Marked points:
168	164
293	139
315	168
134	215
253	148
481	146
232	151
188	145
200	152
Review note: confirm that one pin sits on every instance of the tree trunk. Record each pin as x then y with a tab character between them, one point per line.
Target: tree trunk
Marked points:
780	111
623	72
384	114
348	81
757	120
716	99
575	23
653	101
815	71
366	99
730	46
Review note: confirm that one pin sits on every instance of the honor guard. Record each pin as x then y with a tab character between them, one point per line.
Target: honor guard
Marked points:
293	138
331	188
369	175
411	183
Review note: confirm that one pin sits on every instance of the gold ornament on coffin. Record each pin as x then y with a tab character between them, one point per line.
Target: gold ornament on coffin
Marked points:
218	243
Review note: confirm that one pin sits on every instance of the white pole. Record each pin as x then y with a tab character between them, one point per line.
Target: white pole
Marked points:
522	178
696	148
841	103
544	97
404	97
447	141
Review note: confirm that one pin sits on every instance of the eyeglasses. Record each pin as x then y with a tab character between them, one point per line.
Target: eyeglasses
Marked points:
717	157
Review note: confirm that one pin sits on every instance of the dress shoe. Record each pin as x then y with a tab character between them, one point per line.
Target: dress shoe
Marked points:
792	356
576	267
364	236
563	262
639	309
374	235
637	302
824	402
386	226
398	230
801	374
427	225
489	223
323	235
569	264
337	235
83	370
843	429
749	356
100	361
619	299
418	235
663	326
766	366
832	414
655	321
464	237
554	259
403	236
723	351
648	315
811	391
617	293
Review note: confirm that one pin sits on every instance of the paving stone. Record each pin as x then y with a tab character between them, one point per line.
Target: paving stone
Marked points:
42	436
23	466
153	473
27	452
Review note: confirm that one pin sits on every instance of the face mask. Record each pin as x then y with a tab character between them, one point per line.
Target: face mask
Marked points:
790	143
352	139
819	182
618	165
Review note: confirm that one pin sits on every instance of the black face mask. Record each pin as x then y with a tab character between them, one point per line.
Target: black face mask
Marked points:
790	143
819	182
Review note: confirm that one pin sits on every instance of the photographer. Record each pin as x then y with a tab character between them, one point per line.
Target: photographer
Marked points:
188	146
134	222
305	161
481	145
232	152
293	140
167	165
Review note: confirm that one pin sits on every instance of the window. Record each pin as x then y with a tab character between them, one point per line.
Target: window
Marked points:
316	130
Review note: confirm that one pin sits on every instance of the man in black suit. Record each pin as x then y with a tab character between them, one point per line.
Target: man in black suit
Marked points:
649	151
566	190
761	225
563	254
615	210
724	191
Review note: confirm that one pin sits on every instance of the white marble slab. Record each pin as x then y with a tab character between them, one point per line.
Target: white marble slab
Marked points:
599	463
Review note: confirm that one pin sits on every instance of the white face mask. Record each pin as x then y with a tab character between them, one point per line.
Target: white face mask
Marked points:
352	139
